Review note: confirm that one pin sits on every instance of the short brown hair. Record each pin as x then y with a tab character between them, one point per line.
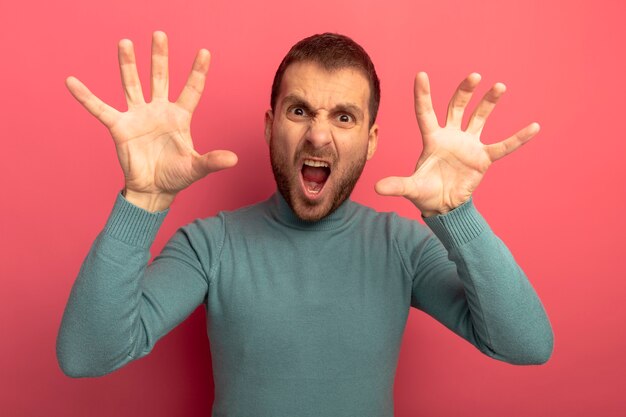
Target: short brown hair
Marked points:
331	51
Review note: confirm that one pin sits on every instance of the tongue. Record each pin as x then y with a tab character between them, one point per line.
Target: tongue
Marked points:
314	174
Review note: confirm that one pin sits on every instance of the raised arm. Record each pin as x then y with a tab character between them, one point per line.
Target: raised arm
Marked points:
466	277
119	305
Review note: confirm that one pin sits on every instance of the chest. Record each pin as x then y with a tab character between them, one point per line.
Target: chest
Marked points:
290	301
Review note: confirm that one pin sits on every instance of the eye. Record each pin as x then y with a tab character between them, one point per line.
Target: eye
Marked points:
346	118
298	111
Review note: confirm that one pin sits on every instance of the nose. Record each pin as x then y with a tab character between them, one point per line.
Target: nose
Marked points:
319	133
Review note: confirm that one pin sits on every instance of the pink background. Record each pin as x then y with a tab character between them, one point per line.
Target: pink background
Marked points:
558	202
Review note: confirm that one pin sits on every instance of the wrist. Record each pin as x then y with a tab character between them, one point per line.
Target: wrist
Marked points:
432	213
148	201
443	210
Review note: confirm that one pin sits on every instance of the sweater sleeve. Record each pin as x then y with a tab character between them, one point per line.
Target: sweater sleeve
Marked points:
467	279
119	306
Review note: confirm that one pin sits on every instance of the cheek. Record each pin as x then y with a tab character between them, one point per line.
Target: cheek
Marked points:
281	155
351	147
287	132
287	137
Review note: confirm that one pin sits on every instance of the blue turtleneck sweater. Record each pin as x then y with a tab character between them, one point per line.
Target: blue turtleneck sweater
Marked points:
304	318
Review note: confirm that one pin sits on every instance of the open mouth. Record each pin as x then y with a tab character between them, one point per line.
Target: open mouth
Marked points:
314	176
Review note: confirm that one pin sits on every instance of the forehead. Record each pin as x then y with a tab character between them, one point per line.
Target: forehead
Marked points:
323	88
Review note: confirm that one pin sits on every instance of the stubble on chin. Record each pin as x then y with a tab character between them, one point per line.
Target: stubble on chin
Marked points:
315	211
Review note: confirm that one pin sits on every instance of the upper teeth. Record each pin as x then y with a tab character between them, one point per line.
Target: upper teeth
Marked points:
313	163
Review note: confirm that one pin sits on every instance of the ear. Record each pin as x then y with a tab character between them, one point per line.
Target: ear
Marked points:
269	121
372	142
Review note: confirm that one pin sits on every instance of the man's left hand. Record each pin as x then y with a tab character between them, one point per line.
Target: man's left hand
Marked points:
453	161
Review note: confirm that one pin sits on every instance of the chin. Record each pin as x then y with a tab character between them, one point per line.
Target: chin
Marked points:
309	202
309	212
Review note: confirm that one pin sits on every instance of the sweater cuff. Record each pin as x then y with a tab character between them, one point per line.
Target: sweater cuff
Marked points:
458	226
132	224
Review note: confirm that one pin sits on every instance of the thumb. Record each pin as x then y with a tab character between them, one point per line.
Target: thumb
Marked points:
394	186
214	161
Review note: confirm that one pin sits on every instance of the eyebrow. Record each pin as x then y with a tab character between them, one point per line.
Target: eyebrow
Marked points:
347	107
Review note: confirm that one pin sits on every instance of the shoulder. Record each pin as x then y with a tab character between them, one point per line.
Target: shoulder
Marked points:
407	237
366	213
214	229
392	223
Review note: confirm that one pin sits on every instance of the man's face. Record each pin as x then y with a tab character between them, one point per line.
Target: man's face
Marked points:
319	137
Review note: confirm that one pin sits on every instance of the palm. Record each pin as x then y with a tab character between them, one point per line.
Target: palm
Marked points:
153	140
451	166
155	148
453	161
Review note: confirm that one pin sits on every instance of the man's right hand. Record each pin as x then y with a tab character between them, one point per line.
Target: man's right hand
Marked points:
153	140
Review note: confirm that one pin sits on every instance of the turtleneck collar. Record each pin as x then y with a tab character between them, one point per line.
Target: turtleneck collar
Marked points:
281	211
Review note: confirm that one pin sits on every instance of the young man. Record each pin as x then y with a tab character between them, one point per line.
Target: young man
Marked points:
307	293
